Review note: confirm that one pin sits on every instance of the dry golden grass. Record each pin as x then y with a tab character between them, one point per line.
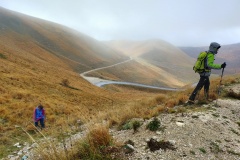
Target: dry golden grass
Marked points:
97	144
29	75
26	84
27	81
32	73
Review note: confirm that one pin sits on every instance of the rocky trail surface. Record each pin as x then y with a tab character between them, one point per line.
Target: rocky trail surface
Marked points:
210	134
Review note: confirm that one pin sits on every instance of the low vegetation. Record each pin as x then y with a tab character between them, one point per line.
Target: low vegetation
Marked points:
68	100
154	125
97	144
3	56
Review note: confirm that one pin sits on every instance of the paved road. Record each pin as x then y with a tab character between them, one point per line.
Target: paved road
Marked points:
83	74
102	82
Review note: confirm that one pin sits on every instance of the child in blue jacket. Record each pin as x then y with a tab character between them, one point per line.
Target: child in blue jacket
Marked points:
39	115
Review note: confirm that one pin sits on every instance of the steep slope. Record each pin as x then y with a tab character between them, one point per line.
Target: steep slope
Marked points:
195	132
38	64
79	51
227	53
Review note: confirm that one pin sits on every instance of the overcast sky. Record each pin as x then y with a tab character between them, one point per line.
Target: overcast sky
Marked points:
180	22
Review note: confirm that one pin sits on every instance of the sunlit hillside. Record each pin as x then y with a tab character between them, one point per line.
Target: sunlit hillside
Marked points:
70	101
40	62
33	35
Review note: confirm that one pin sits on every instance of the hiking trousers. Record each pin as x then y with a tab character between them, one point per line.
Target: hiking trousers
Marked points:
41	123
204	81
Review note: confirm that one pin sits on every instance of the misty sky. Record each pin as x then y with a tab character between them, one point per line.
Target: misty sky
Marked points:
180	22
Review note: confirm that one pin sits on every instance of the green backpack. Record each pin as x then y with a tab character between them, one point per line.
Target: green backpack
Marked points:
199	66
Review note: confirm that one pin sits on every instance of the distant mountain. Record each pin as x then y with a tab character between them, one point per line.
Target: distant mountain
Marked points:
156	62
35	36
161	61
227	53
152	50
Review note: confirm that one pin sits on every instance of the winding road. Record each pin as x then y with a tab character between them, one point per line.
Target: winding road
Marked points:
102	82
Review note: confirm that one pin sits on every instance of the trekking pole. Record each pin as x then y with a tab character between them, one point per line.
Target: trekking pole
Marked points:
220	84
219	87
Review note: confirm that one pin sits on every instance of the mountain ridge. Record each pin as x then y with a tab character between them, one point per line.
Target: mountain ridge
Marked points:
58	40
161	55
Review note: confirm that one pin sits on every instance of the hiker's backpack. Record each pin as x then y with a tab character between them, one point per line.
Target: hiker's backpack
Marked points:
199	66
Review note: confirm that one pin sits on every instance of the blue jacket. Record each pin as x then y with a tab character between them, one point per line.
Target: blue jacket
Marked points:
39	114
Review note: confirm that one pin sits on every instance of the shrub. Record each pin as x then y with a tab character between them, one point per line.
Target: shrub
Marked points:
136	125
126	126
99	144
203	150
154	125
99	137
160	98
3	56
131	125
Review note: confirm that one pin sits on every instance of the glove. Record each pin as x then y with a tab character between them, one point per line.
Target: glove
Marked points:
223	65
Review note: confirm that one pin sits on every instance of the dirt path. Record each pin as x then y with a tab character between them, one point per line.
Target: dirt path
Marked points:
206	132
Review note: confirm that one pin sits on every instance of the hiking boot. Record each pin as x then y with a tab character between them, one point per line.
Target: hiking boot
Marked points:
189	102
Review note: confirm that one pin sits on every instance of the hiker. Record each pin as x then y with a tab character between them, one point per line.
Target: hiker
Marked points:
204	75
39	115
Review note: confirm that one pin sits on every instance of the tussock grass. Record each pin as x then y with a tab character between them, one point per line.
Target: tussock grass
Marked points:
27	81
161	98
97	144
2	56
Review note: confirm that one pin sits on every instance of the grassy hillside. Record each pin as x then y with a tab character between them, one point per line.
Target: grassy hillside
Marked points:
25	83
38	64
139	71
79	51
161	61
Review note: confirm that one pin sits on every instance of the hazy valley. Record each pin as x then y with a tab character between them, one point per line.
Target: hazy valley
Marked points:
41	62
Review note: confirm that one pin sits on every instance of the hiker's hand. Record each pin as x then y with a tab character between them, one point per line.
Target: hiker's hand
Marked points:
223	65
